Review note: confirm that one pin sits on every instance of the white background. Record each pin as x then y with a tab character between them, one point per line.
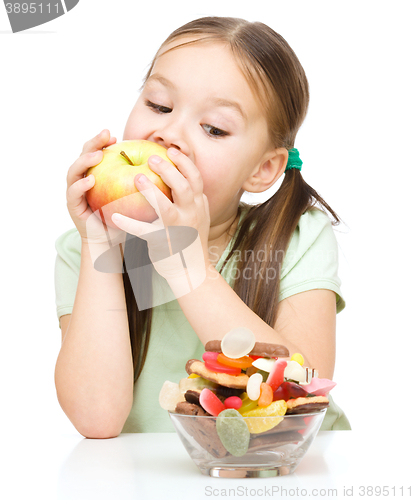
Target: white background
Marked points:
63	82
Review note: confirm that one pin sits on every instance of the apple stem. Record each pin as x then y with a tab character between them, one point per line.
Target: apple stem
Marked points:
122	153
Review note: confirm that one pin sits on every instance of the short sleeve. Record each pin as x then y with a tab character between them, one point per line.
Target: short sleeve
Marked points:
311	261
67	265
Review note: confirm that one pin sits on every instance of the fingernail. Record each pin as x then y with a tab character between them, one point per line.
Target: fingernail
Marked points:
174	151
141	178
155	159
116	217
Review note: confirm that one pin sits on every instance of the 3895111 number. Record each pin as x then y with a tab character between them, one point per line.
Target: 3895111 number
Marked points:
32	8
384	491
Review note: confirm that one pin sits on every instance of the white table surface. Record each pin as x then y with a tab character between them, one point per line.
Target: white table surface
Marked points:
147	466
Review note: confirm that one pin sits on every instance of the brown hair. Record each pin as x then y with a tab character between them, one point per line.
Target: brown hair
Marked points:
277	78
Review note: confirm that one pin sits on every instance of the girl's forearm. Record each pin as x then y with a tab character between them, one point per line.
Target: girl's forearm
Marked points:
94	370
213	308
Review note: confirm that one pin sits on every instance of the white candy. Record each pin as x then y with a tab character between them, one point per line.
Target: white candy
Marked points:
295	371
238	342
264	364
170	395
253	387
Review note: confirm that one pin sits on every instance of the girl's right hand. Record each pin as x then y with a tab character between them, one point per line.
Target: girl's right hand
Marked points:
94	230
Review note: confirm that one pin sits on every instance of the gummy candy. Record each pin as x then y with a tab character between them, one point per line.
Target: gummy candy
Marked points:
170	395
297	357
253	387
247	404
320	386
244	362
256	425
214	366
289	390
276	376
196	384
238	342
209	355
295	371
233	432
233	402
266	395
264	364
210	402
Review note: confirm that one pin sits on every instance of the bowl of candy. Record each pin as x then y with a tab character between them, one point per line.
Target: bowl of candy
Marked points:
231	445
247	409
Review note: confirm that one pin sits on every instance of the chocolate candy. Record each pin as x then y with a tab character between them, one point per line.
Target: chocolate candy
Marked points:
260	349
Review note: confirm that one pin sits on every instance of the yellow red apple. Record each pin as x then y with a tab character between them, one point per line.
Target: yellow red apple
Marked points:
114	181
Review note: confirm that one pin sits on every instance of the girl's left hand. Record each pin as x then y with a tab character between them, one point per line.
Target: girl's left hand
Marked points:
189	209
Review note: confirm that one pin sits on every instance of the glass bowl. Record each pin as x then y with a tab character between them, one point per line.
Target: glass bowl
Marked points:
276	444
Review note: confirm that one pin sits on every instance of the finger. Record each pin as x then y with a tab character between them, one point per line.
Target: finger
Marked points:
187	168
182	191
75	198
133	226
81	165
102	140
163	207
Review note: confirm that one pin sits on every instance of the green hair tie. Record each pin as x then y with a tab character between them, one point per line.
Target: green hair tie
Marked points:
294	160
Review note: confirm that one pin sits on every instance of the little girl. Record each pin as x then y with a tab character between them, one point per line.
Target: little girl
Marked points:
226	97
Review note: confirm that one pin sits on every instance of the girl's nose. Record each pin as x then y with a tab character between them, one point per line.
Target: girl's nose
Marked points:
172	135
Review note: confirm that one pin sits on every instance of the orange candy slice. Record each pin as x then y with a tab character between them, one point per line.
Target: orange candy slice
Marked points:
244	362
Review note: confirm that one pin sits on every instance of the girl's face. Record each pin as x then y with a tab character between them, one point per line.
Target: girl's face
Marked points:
198	101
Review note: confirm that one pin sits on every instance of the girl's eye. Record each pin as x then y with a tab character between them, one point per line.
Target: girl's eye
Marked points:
213	131
158	107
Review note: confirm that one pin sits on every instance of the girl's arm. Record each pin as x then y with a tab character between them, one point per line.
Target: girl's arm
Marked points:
94	369
306	321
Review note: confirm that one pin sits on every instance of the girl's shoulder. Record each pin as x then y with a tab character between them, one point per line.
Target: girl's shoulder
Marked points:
314	225
69	242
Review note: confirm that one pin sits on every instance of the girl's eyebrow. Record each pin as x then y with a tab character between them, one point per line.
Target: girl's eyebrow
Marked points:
226	103
216	101
162	80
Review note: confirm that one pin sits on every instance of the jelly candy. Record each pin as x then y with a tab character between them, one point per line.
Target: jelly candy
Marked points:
264	364
210	402
294	371
272	416
266	395
243	363
297	357
233	432
170	395
253	387
320	386
247	404
196	384
214	366
208	355
276	376
238	342
289	390
233	402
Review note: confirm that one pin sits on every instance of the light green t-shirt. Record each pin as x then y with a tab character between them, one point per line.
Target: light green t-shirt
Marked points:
311	262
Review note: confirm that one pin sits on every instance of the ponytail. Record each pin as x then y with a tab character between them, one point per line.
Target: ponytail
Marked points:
274	221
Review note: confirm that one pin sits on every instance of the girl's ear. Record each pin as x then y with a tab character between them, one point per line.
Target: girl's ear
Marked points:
268	172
